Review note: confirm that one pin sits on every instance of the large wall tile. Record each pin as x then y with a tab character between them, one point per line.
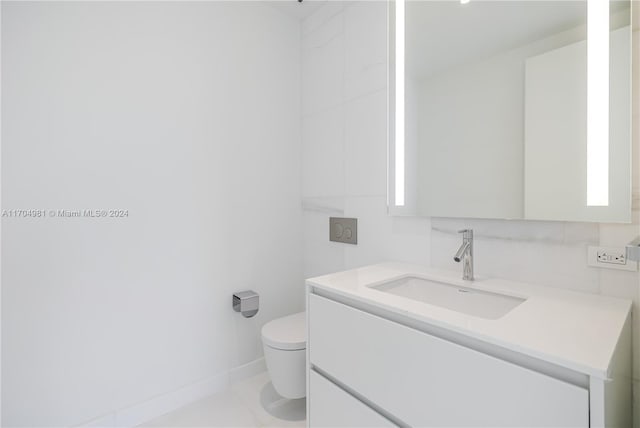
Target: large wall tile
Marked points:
321	256
323	172
383	238
616	235
366	145
365	48
409	240
581	233
320	17
323	66
546	263
521	230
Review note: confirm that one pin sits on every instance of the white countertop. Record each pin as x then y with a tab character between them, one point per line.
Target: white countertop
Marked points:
575	330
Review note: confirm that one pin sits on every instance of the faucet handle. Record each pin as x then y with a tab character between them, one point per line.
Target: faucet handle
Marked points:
466	233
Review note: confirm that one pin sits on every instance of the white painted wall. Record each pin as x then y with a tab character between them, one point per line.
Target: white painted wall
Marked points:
186	114
550	253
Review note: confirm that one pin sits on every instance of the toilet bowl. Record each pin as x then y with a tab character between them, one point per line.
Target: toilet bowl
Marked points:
285	348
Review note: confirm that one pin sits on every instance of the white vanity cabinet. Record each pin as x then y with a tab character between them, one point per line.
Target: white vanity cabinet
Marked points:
425	381
379	361
334	407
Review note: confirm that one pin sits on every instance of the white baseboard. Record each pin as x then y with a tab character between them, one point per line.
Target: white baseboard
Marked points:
103	421
158	406
247	370
155	407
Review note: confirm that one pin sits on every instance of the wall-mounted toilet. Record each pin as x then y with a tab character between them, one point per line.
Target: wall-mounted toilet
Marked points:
285	348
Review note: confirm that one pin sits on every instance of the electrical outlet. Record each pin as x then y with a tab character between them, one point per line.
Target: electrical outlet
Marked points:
613	257
610	258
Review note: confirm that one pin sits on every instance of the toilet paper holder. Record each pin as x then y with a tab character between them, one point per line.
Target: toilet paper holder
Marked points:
246	302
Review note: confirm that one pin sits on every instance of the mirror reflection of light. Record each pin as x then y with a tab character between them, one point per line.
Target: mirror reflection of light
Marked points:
597	103
464	1
399	104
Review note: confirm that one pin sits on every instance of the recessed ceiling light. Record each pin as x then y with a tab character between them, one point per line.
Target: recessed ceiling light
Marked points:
464	1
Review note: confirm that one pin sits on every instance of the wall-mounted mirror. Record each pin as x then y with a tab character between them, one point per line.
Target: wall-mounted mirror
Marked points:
511	109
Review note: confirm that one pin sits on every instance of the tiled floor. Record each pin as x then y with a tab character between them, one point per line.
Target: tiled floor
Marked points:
250	403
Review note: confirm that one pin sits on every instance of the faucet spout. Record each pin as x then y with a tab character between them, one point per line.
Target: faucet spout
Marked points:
461	251
465	254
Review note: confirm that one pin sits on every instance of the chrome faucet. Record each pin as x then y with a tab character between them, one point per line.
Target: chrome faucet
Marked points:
465	254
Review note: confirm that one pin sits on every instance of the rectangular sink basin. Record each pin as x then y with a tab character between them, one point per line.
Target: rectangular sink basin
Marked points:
468	301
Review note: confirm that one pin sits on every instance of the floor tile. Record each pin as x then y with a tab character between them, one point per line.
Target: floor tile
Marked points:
249	403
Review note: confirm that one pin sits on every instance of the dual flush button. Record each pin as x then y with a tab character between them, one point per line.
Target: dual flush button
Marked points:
343	230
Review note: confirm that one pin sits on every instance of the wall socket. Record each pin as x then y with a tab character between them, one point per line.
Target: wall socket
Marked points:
610	258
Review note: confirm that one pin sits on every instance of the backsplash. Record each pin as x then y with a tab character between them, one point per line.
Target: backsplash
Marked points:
546	253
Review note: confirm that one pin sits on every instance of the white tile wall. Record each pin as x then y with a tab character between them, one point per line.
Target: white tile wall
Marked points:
321	16
320	255
365	48
518	249
383	238
322	151
323	65
365	145
352	37
344	130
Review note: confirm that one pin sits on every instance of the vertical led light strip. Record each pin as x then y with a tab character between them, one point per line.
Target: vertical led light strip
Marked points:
597	102
399	105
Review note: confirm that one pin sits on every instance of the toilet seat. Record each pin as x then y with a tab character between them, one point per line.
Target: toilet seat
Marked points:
287	333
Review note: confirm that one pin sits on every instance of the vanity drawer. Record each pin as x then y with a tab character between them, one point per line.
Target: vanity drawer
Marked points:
333	407
426	381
